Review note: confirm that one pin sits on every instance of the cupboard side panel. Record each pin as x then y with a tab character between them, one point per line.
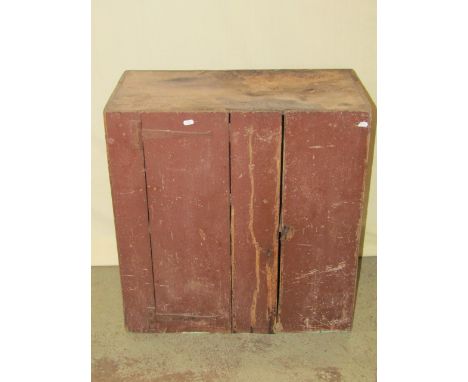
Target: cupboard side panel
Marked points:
128	185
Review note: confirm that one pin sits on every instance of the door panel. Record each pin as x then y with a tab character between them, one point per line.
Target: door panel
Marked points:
325	164
187	173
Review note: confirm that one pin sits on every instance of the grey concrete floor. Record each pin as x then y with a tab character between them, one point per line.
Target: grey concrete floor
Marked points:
120	356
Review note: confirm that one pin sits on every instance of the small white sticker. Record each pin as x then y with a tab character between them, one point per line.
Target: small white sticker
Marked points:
188	122
363	124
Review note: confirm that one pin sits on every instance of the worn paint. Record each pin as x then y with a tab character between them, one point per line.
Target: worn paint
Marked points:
188	199
127	177
238	90
253	307
322	211
167	138
255	185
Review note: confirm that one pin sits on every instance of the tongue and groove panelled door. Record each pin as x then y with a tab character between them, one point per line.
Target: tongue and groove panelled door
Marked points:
324	172
187	176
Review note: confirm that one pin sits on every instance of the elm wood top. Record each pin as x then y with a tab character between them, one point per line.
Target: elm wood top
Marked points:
239	90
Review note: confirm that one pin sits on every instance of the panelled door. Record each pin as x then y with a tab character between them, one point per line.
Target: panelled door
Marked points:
324	171
187	176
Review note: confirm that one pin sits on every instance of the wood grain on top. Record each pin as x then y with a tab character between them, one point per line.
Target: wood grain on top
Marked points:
241	90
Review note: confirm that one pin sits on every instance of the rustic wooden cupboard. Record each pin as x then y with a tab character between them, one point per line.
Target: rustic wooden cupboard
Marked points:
238	197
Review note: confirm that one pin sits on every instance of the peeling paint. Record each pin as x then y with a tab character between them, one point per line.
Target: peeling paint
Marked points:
253	307
202	234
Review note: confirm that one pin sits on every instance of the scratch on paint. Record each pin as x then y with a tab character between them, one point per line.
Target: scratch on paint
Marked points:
253	308
340	266
328	269
334	205
322	147
304	275
316	320
202	234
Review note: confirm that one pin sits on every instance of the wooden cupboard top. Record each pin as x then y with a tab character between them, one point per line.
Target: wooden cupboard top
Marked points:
239	90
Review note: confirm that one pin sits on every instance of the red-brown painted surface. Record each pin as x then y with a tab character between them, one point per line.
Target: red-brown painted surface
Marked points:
187	173
255	190
170	190
127	176
325	162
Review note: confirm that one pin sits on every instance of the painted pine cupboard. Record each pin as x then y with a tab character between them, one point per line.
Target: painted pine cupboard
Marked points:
239	197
